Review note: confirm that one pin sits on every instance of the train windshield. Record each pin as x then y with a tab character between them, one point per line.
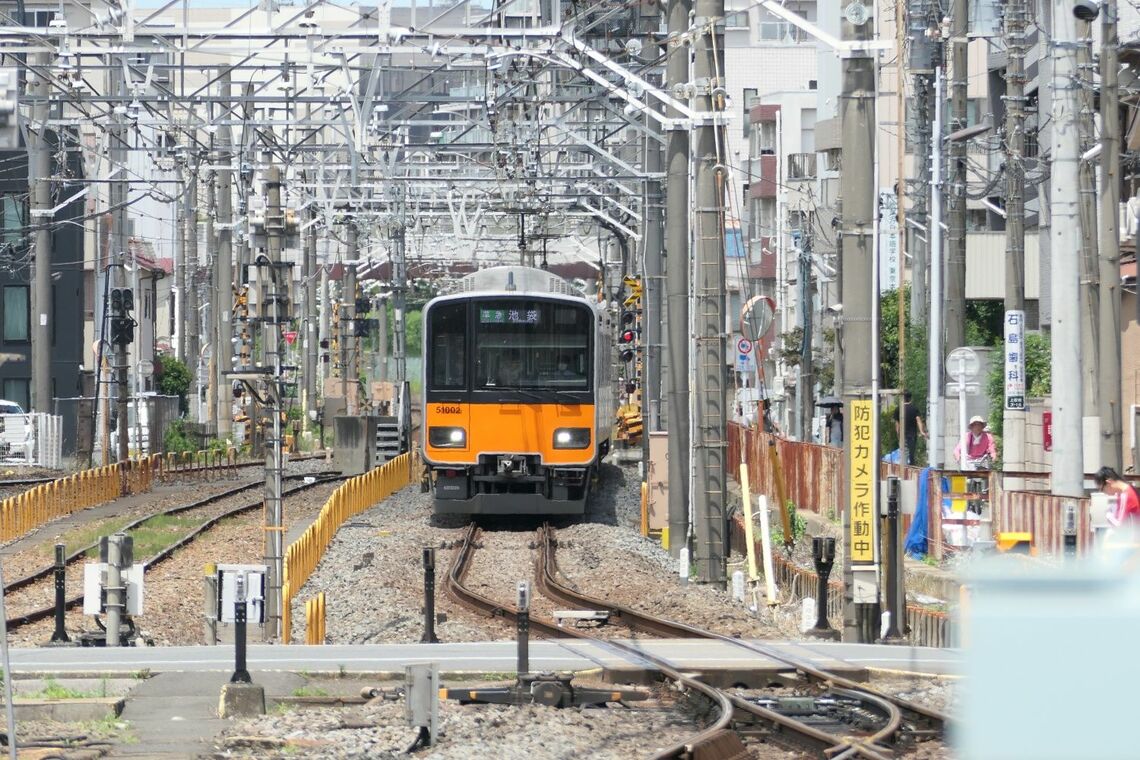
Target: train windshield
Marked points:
531	344
447	333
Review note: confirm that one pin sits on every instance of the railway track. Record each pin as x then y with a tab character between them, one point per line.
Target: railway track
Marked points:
46	573
7	483
737	718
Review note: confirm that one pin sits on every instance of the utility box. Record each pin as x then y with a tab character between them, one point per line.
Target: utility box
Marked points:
421	705
657	478
94	598
354	440
254	580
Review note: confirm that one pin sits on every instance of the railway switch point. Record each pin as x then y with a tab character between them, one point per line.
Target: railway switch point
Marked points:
601	617
549	689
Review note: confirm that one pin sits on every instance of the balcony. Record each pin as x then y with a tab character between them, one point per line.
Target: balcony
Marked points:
801	166
764	186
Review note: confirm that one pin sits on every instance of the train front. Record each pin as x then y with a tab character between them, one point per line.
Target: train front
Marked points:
510	411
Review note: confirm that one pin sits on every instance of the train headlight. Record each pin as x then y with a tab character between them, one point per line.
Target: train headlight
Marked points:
572	438
447	437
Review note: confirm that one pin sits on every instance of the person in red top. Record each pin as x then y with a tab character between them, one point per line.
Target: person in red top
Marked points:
1127	502
978	449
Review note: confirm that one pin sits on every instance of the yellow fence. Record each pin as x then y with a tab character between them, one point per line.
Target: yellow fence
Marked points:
315	619
350	499
25	512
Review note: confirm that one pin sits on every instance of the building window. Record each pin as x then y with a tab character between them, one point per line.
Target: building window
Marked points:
40	18
736	20
18	389
11	219
750	95
16	313
767	140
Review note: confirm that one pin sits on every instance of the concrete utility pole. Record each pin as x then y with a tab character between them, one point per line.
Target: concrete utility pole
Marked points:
900	208
400	314
860	201
179	290
119	237
1090	271
223	286
935	354
39	185
209	234
806	381
956	250
1109	371
191	331
309	317
653	258
924	56
326	328
1013	420
348	370
1064	184
677	279
272	319
710	447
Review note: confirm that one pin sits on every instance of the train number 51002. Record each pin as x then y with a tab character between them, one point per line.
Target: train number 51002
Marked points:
447	409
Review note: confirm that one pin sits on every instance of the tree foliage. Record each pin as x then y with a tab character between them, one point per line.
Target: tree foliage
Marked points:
173	379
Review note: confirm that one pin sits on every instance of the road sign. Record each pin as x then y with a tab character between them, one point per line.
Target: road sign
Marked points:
146	368
290	336
744	346
962	364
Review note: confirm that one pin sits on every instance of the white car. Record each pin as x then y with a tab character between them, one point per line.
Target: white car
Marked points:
10	407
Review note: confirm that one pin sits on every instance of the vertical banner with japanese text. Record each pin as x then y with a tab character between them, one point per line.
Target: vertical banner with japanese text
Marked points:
1015	360
862	538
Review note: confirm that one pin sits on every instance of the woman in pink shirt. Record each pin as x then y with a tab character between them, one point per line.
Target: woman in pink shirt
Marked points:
978	445
1127	503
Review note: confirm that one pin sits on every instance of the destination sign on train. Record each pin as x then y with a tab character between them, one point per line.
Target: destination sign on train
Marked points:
508	316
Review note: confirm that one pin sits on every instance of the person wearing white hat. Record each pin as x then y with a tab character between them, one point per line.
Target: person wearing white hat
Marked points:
977	445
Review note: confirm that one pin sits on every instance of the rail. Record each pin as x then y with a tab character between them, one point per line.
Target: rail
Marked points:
350	499
161	555
892	708
50	499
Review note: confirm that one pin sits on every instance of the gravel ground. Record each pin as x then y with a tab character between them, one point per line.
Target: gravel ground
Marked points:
372	577
373	583
379	730
939	694
173	603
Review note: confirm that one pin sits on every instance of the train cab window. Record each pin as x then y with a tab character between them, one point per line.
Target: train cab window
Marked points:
532	344
448	341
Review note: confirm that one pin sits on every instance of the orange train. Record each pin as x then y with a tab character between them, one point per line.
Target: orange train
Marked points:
518	394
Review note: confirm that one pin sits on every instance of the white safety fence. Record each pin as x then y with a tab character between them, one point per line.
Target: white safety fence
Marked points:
31	440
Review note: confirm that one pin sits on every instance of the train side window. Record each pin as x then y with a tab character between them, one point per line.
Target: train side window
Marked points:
448	358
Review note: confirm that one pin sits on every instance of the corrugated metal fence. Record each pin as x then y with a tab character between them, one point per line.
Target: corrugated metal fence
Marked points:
814	482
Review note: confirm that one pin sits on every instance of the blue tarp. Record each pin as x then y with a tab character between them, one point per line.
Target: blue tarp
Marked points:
915	545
